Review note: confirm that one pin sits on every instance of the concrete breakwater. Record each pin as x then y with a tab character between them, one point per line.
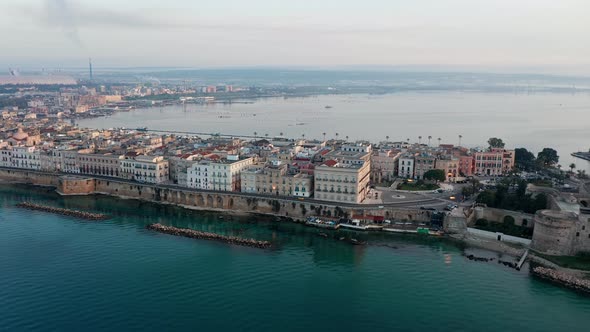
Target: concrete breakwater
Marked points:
191	233
65	212
562	278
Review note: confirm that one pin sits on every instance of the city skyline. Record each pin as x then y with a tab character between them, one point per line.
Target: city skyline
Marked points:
463	35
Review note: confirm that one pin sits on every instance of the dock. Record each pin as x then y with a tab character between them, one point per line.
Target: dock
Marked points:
522	259
582	155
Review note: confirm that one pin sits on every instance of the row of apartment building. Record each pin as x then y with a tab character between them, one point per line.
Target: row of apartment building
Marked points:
410	163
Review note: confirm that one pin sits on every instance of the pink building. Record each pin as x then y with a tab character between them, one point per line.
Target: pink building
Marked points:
466	165
494	162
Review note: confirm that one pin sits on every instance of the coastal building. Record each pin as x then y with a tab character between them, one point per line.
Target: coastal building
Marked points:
563	233
494	162
143	168
273	179
466	165
21	138
342	180
218	174
384	165
405	167
25	157
423	163
450	166
100	164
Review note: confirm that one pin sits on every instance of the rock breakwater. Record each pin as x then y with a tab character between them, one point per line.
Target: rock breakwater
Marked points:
65	212
562	278
191	233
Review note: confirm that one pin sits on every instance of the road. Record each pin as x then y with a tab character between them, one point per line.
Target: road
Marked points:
415	202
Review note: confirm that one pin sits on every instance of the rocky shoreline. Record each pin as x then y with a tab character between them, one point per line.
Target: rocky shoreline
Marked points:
191	233
561	278
65	212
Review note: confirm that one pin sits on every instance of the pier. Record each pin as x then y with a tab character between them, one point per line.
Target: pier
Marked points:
522	259
65	212
194	234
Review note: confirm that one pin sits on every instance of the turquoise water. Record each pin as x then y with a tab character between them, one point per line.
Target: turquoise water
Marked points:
61	273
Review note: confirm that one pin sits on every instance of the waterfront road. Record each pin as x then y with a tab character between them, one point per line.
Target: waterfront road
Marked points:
415	201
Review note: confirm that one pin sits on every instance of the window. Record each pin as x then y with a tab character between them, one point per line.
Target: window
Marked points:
577	233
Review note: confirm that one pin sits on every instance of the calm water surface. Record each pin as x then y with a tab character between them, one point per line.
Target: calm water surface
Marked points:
534	121
60	273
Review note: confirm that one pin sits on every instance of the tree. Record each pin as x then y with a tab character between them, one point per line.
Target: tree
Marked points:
523	158
437	175
487	197
548	157
495	142
572	166
582	174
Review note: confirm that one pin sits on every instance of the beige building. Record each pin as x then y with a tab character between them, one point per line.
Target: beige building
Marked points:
100	164
342	182
383	165
423	163
274	180
450	166
142	168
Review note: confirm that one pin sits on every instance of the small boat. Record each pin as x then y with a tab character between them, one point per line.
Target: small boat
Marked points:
328	106
357	242
323	234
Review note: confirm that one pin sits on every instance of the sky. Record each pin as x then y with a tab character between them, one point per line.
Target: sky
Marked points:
503	35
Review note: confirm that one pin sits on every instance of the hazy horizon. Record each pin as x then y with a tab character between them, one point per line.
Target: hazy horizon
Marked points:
502	36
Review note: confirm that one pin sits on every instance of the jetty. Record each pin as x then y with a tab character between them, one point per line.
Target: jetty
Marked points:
65	212
582	155
522	259
194	234
561	278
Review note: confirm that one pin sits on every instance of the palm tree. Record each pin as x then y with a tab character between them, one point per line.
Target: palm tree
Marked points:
302	135
347	138
255	134
420	140
324	136
336	135
281	134
460	137
408	139
266	135
439	141
572	166
387	138
429	138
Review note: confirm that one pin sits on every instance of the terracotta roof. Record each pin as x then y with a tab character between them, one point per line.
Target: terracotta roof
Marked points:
330	162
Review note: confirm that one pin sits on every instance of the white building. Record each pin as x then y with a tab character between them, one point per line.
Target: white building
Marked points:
142	168
25	157
222	175
406	166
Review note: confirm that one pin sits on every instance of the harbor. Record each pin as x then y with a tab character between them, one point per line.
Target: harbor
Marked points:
119	263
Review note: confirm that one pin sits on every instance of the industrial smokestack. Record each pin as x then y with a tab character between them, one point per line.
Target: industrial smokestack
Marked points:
90	67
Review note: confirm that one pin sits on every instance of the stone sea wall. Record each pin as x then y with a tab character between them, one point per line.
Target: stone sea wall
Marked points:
221	201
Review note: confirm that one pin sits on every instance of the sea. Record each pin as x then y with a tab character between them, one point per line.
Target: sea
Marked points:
531	120
60	273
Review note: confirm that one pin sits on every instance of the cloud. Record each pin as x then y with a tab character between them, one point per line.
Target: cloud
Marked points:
71	17
58	13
